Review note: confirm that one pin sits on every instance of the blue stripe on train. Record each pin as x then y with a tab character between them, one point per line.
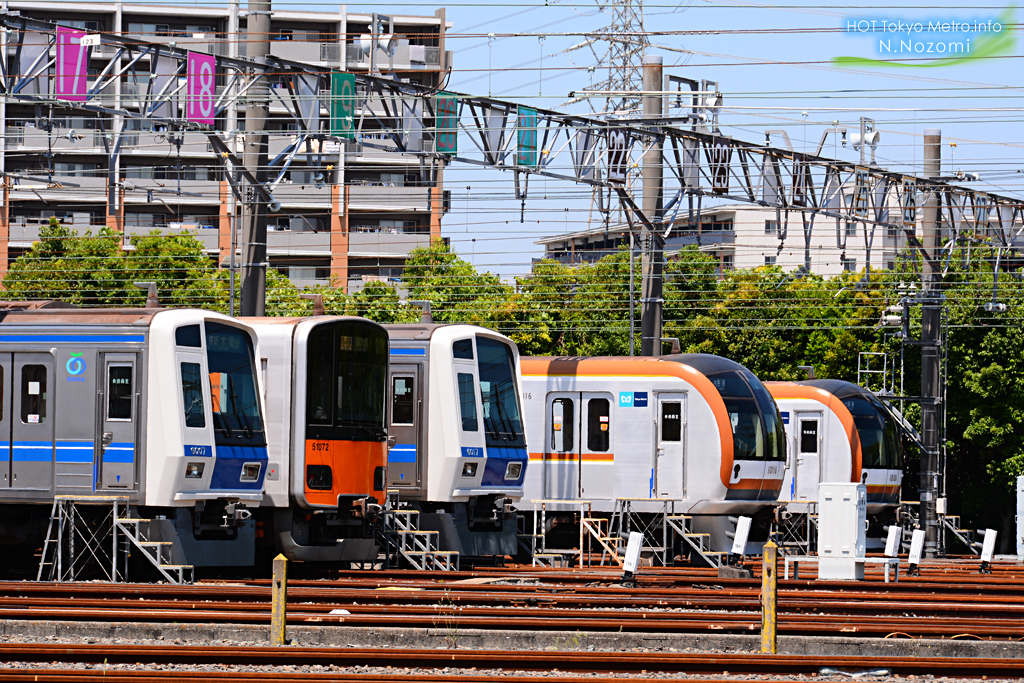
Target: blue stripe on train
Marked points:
75	451
227	469
403	452
498	459
32	451
119	452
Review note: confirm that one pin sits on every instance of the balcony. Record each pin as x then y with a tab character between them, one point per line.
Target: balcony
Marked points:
30	139
298	196
89	190
380	198
407	57
210	239
385	244
163	192
287	243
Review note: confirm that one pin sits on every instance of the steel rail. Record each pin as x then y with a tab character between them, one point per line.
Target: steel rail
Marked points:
543	660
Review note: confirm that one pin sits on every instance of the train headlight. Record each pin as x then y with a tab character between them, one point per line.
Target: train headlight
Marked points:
194	470
469	469
513	471
250	471
318	477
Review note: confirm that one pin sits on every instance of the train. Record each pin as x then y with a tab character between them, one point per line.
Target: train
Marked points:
841	432
459	455
160	408
698	430
327	388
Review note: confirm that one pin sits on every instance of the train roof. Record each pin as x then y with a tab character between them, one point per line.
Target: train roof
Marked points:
422	331
69	315
294	320
705	364
838	387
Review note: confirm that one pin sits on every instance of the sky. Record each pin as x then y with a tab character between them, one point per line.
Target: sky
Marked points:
776	67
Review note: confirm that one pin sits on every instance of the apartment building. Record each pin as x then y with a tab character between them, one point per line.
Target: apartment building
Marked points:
749	236
360	228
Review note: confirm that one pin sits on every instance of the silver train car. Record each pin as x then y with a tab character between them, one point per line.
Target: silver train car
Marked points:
841	432
326	380
460	449
163	407
695	429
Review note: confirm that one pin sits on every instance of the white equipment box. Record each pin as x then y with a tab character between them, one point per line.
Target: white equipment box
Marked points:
842	528
1020	517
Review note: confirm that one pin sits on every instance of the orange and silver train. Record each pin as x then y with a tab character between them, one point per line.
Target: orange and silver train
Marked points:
840	432
696	429
326	381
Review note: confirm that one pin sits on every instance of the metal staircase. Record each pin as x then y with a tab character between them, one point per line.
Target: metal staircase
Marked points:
951	523
682	526
78	544
653	525
403	540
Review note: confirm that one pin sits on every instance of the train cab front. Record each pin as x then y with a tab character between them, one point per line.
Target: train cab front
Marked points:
753	447
206	422
340	470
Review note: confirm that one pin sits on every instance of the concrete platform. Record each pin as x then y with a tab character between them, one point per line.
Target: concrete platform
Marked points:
340	636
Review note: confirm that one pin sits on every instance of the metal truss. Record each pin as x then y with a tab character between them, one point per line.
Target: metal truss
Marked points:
396	116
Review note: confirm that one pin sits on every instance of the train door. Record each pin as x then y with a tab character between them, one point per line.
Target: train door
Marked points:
808	471
117	445
597	456
561	449
670	472
31	420
405	425
6	454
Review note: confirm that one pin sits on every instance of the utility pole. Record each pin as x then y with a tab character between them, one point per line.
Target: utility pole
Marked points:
653	244
931	352
254	157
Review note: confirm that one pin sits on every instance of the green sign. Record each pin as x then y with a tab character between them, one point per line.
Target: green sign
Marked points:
526	127
446	129
343	99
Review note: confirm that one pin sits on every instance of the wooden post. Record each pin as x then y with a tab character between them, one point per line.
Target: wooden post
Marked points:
279	601
769	598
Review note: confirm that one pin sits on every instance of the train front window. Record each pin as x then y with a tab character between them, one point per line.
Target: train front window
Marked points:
499	390
756	426
879	442
346	374
233	394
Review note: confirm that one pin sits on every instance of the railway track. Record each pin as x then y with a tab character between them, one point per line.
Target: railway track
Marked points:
667	602
455	662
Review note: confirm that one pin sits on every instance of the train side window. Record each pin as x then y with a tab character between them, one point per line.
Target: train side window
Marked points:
403	400
563	420
119	392
2	385
672	421
808	436
598	425
463	348
467	400
192	395
188	335
33	394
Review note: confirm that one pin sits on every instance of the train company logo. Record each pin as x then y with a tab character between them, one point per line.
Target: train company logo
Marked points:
75	367
930	43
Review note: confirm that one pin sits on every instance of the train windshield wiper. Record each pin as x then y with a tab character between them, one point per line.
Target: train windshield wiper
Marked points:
238	413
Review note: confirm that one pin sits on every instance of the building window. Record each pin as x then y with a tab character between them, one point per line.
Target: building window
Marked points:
769	260
771	227
851	229
727	261
850	265
889	265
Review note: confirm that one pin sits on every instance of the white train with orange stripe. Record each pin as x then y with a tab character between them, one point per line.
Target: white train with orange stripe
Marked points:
692	428
839	432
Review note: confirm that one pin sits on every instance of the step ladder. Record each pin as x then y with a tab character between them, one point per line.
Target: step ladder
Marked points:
700	544
78	541
952	523
536	542
651	521
403	539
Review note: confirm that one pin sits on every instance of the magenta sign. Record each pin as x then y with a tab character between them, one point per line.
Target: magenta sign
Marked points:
201	80
72	65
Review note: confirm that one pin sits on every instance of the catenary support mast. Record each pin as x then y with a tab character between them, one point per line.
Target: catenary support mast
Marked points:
254	158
